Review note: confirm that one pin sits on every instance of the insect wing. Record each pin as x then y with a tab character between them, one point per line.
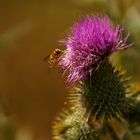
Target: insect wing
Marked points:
46	58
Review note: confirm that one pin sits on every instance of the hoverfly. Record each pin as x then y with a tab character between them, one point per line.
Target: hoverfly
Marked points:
53	57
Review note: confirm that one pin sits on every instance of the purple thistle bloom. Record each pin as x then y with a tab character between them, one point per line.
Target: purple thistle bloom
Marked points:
91	40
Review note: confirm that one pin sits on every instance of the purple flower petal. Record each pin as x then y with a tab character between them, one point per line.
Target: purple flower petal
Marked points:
91	40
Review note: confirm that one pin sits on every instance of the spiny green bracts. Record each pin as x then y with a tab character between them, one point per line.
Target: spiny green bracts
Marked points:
103	94
73	126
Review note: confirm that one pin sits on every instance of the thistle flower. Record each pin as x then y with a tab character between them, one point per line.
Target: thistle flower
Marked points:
103	94
91	40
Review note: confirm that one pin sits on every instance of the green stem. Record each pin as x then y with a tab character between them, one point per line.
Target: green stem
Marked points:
124	124
111	131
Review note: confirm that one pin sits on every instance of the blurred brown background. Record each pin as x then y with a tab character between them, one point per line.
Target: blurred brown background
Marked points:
30	97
